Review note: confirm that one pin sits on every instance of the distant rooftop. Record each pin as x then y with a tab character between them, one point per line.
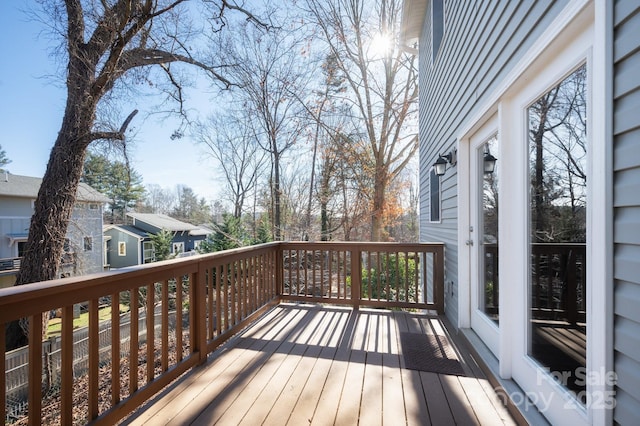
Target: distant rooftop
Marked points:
162	221
27	187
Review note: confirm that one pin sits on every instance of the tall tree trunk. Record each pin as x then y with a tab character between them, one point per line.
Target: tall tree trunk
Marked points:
379	204
538	183
276	194
53	206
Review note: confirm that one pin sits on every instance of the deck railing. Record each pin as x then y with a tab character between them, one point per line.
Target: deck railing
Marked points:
10	264
165	318
558	273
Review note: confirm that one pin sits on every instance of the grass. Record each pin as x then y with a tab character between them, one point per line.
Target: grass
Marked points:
55	324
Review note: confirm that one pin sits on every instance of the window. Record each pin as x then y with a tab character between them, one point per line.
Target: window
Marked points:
178	248
434	197
88	244
67	245
558	227
93	206
437	26
122	248
148	252
22	245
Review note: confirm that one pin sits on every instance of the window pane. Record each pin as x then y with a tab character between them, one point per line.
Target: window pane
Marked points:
434	196
558	203
489	227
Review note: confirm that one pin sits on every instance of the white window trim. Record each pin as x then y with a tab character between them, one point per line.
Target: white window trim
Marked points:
176	245
123	244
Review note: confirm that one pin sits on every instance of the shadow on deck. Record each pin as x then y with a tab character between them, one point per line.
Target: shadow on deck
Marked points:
311	364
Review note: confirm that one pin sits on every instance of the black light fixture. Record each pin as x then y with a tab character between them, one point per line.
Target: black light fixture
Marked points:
440	166
489	161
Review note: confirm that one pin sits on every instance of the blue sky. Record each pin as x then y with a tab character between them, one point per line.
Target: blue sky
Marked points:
31	108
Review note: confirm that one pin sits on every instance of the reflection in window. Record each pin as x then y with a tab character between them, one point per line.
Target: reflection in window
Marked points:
489	227
558	202
434	197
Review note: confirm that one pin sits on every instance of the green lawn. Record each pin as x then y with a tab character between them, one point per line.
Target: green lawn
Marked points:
55	324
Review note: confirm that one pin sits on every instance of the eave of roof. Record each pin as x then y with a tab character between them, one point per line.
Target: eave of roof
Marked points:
413	15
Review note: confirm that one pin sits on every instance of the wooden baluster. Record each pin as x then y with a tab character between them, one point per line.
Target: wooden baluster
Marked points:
115	349
94	359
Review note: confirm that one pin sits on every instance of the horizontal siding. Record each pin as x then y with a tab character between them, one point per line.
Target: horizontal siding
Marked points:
627	113
482	42
627	225
627	186
626	180
627	150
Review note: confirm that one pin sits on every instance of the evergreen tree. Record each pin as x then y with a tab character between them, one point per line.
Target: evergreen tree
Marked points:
115	179
162	245
4	160
229	234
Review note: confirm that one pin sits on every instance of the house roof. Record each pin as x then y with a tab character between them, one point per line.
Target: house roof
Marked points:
27	187
128	229
162	221
201	230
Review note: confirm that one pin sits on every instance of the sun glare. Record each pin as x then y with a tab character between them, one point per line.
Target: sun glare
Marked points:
381	45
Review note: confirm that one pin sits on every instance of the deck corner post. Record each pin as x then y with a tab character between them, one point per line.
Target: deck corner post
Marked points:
438	279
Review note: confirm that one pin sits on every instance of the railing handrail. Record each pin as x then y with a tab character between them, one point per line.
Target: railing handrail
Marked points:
44	296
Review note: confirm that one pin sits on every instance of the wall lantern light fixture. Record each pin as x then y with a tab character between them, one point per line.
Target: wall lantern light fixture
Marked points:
489	161
440	166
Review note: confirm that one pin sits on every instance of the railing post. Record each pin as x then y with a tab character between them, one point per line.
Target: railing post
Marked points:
35	369
572	291
199	306
3	373
66	390
279	270
438	279
356	277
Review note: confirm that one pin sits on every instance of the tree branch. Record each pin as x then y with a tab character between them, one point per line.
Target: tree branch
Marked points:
143	57
119	135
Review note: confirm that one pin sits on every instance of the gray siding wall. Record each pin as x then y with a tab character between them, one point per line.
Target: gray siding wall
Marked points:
482	42
133	249
11	225
626	164
86	222
15	206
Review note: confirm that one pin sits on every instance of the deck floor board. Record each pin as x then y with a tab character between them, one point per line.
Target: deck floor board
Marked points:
308	364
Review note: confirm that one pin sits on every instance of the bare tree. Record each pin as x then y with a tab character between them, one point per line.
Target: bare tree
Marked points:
158	200
105	43
558	151
382	86
270	75
230	140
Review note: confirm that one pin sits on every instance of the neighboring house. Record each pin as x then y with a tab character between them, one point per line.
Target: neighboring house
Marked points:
552	90
128	245
83	245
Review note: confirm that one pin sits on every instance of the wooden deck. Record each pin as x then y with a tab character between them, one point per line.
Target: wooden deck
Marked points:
309	364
